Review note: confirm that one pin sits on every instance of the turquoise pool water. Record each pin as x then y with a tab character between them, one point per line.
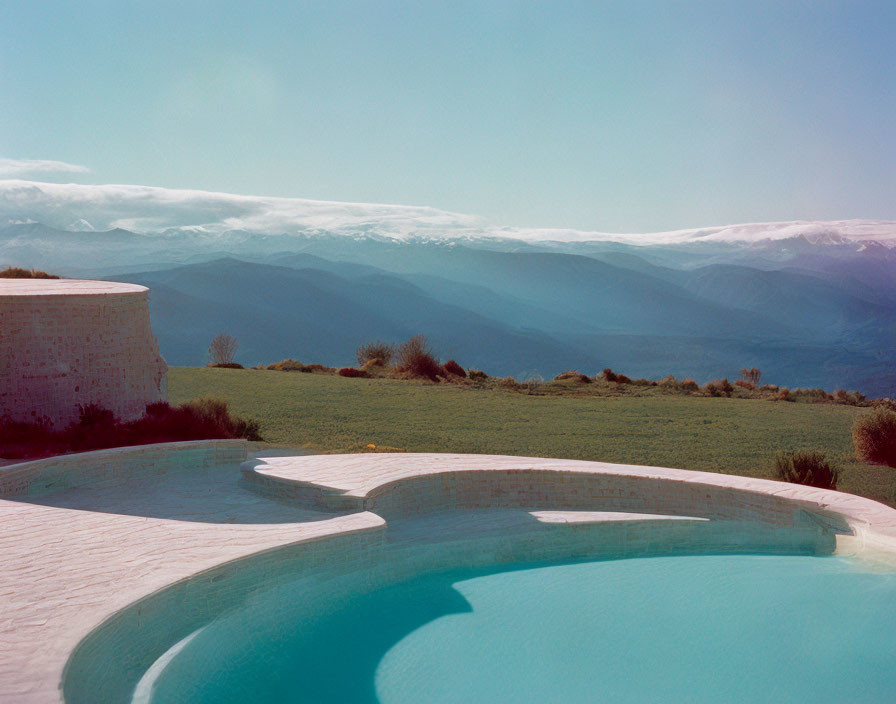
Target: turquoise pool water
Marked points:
668	629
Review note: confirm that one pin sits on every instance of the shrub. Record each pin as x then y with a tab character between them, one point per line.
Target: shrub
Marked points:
222	349
573	375
784	394
751	376
719	387
769	387
744	384
477	375
813	395
532	383
287	365
645	382
452	367
874	436
98	428
371	364
508	382
689	385
227	365
806	467
668	382
610	375
200	419
12	272
416	359
350	372
316	369
383	351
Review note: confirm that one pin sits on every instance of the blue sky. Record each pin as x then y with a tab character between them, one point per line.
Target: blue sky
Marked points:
619	116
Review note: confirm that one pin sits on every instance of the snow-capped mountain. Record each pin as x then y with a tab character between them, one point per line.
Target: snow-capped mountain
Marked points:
149	209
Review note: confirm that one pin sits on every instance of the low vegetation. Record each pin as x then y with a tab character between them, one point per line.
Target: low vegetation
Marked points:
874	436
415	359
98	428
13	272
650	424
806	467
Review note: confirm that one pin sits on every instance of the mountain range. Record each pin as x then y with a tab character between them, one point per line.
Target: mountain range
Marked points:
809	304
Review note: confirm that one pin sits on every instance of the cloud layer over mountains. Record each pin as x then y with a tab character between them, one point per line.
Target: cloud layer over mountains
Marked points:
149	209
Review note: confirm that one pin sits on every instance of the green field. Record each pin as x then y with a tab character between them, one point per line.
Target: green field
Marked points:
335	414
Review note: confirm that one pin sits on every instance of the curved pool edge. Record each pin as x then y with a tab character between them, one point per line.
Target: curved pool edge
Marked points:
405	484
386	500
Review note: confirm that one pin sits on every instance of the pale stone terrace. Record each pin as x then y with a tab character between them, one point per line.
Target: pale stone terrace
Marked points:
65	287
80	555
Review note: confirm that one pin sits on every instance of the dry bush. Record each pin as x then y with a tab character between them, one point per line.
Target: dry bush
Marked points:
769	387
749	386
12	272
287	365
383	351
350	372
610	375
508	382
719	387
371	365
575	376
784	394
227	365
532	383
751	376
416	359
689	385
812	395
806	467
222	350
452	367
317	369
888	403
874	436
477	375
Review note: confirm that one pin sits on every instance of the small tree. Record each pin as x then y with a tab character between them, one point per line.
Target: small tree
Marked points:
223	349
383	351
751	376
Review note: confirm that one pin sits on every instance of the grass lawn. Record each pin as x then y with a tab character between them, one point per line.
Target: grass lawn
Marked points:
336	414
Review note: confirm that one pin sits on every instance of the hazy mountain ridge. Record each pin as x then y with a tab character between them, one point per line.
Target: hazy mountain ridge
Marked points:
808	314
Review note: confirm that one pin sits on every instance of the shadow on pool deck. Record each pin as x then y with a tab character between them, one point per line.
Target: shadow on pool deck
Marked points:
192	495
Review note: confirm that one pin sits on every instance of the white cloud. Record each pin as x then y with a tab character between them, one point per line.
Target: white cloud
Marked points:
17	168
151	209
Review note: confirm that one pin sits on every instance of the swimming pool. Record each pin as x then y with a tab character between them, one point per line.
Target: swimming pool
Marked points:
465	579
672	629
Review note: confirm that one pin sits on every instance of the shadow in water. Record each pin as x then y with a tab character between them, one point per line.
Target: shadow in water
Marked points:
201	496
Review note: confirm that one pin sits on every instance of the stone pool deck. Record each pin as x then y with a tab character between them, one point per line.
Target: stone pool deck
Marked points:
79	547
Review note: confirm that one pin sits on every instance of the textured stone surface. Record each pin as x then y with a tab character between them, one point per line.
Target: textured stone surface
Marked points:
65	343
406	484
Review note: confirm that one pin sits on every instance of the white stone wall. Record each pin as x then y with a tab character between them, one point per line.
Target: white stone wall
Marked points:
68	343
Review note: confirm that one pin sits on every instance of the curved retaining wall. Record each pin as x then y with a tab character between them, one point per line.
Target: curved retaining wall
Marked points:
66	343
120	464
